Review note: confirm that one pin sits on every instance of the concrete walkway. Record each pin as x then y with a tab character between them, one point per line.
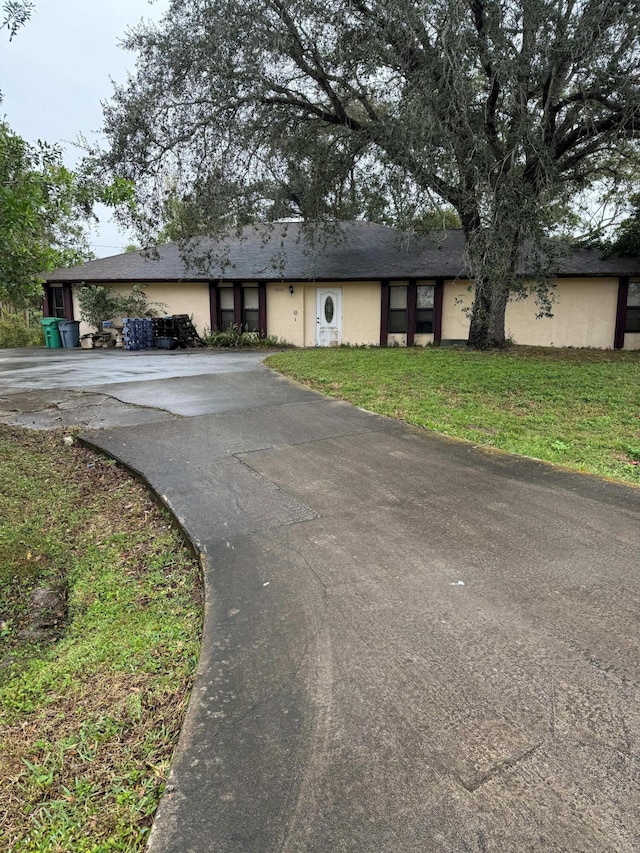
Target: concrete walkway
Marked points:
410	644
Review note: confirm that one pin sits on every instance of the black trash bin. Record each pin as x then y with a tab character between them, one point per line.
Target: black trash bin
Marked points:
70	333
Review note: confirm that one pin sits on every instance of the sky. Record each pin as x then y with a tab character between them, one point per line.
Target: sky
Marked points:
57	70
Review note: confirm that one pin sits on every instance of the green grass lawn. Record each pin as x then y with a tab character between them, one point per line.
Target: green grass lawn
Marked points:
94	686
579	408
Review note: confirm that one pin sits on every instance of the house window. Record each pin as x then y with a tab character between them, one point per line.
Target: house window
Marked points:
250	309
398	309
632	320
425	298
57	302
226	307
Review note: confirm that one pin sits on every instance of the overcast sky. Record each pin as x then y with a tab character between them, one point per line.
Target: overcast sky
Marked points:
59	67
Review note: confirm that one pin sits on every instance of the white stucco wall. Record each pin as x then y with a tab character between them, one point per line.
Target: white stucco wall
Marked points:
632	340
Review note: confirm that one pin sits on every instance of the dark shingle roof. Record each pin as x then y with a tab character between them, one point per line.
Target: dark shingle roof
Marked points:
285	251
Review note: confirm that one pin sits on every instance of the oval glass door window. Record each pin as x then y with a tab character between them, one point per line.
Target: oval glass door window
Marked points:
328	309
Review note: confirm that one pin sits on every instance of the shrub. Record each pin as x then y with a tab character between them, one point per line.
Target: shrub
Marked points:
16	331
234	337
98	304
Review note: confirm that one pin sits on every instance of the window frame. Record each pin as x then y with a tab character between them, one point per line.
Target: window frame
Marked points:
224	318
632	308
252	325
411	320
58	308
398	316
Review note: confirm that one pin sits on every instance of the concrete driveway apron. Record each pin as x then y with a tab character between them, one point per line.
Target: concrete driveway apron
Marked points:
411	644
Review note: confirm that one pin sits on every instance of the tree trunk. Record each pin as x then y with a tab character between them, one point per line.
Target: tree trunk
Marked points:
494	256
487	330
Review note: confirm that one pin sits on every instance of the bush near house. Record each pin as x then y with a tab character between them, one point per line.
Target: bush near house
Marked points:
98	304
579	408
235	337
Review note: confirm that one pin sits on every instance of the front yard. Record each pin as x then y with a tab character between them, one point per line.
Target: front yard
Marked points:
578	408
100	616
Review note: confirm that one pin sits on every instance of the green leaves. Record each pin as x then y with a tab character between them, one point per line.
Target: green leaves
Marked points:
16	14
41	212
342	109
44	212
102	303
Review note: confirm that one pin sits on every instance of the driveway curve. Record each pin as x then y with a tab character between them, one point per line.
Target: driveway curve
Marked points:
411	644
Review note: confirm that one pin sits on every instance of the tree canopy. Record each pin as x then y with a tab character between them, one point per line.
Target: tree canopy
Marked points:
501	112
44	210
626	239
16	13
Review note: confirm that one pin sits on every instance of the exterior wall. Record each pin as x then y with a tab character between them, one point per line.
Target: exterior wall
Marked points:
584	315
456	298
310	316
419	340
396	340
584	312
422	340
190	298
294	319
286	312
361	313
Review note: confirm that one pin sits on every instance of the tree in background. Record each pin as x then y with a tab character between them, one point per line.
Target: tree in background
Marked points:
44	210
16	14
501	112
626	238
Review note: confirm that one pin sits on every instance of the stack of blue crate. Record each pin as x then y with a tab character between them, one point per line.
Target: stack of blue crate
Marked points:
138	333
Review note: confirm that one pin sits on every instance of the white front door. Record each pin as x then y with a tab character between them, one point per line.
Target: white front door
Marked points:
329	317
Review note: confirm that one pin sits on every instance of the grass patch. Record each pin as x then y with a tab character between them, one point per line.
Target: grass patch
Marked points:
579	408
100	621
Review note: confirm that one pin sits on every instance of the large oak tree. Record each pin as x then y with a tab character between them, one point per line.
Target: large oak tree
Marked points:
499	109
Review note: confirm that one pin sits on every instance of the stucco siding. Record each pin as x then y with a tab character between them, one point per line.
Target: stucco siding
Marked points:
456	297
584	315
422	339
632	340
190	298
396	339
310	316
361	313
294	318
286	312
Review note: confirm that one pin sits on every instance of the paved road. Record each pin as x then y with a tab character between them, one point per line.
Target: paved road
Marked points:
411	644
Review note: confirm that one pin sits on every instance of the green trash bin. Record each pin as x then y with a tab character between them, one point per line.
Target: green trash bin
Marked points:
52	337
70	333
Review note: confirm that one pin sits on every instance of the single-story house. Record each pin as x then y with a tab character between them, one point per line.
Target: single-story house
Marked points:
363	284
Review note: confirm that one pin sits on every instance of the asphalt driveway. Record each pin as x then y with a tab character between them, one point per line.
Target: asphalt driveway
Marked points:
411	644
